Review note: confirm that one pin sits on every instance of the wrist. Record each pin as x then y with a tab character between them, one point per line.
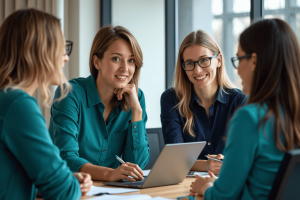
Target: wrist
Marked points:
107	174
137	110
205	186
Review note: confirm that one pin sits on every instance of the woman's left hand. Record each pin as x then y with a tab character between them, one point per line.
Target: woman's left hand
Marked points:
200	185
130	94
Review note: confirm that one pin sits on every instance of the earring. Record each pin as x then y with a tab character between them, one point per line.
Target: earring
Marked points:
219	65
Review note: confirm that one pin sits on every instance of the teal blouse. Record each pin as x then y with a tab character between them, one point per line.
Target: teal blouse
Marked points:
79	130
29	159
251	158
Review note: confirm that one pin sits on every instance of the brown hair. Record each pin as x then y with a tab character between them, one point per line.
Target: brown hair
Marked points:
276	79
31	47
102	40
183	86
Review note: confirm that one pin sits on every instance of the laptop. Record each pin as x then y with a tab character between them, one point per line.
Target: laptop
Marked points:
171	166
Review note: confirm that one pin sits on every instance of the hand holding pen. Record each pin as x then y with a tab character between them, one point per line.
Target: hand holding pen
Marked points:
125	170
214	163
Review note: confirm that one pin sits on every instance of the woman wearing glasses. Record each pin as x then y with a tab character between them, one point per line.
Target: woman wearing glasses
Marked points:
29	159
201	100
104	116
261	132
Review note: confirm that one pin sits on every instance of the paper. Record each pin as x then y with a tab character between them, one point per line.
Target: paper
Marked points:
128	197
146	172
96	190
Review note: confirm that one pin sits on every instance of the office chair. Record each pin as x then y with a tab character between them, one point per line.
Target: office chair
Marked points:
156	143
287	182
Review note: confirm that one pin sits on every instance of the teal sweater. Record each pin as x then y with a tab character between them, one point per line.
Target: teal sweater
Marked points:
251	158
29	159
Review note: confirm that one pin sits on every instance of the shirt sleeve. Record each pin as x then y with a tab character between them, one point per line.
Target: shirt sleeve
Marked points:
137	147
65	129
171	125
239	152
28	139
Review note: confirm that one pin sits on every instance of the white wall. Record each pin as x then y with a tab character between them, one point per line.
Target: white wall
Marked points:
83	24
145	20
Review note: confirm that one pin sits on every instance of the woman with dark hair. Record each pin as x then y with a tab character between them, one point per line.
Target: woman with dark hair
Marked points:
105	113
29	159
259	134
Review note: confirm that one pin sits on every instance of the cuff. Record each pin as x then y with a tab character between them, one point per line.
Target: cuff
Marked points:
136	134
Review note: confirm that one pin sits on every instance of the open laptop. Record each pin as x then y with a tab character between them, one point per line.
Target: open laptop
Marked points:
171	166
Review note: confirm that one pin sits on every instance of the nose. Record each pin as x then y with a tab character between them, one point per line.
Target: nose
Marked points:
197	68
124	66
66	58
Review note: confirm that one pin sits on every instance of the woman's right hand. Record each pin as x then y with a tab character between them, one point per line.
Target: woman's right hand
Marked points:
85	181
214	166
124	171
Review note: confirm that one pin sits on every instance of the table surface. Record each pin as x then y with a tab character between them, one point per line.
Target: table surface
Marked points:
169	191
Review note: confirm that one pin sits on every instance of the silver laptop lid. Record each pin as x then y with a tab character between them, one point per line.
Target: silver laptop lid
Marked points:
173	163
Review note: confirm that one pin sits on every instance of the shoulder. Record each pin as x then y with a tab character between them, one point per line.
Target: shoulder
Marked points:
251	112
235	95
17	106
169	94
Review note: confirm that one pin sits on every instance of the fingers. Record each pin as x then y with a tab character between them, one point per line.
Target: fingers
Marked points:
128	178
132	171
129	89
220	156
211	174
136	167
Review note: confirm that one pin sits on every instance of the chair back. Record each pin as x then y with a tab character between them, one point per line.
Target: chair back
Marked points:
156	143
287	182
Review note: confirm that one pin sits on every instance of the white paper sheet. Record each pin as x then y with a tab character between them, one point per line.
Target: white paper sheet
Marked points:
96	190
128	197
146	172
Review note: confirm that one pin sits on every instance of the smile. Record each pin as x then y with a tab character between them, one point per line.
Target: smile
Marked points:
200	77
121	77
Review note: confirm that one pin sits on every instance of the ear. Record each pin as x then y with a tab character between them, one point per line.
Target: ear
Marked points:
253	61
96	62
220	58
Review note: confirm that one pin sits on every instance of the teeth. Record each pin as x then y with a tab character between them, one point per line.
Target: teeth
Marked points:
121	77
199	78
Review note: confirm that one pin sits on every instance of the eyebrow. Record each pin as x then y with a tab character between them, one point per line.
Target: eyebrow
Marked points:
198	58
121	54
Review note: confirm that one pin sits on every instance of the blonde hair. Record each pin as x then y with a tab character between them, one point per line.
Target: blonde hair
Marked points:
102	40
183	86
31	48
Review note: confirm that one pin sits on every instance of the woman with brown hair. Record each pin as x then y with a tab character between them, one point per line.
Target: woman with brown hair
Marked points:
32	56
104	116
259	134
201	100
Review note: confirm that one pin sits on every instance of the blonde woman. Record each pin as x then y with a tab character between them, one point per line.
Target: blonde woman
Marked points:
105	114
201	100
32	56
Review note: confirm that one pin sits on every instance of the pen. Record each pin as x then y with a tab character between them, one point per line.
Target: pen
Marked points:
213	159
122	162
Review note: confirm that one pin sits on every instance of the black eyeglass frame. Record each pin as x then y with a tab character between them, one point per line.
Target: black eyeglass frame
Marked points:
233	59
69	43
183	63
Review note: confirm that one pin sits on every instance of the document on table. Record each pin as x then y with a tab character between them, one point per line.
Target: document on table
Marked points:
128	197
146	172
98	190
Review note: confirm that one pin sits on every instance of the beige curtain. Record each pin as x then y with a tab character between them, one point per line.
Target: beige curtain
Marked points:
55	7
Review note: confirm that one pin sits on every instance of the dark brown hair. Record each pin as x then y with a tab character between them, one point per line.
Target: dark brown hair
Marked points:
102	40
276	79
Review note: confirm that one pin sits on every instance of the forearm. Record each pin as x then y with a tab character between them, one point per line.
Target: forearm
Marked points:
96	172
200	165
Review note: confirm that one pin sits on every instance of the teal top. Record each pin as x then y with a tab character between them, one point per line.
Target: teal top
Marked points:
79	130
251	157
29	159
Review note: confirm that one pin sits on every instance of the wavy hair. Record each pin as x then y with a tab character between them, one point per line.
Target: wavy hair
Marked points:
31	48
102	40
276	78
183	86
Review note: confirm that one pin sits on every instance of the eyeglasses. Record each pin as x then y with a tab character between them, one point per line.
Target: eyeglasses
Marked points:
202	62
68	47
236	60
